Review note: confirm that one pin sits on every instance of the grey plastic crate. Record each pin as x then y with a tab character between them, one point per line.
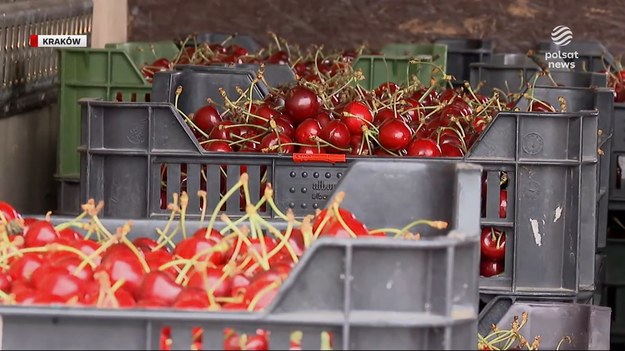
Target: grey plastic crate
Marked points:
418	295
550	167
512	73
202	82
551	163
617	181
587	325
28	76
462	52
593	56
579	99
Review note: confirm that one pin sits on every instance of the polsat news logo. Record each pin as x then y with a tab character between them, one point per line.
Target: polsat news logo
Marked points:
58	41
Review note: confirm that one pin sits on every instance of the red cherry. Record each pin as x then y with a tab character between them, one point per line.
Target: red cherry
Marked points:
206	118
493	244
207	249
214	234
273	143
384	115
40	233
61	284
236	50
69	263
257	342
387	89
307	130
337	133
211	280
423	147
489	268
145	244
503	203
265	113
334	228
430	98
156	259
70	234
284	126
261	294
301	103
23	267
541	106
311	149
217	146
356	115
157	285
324	117
124	267
87	247
5	282
451	150
279	58
222	131
8	212
394	134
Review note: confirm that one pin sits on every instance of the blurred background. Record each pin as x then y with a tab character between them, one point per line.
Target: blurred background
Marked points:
512	25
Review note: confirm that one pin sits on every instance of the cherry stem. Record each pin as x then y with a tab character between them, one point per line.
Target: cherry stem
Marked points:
264	291
184	202
268	196
243	179
284	239
246	241
66	225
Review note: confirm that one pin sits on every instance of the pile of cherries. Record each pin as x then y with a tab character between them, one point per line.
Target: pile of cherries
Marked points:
240	267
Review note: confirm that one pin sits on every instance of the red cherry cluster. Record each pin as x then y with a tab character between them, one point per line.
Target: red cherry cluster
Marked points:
236	268
493	240
342	118
312	65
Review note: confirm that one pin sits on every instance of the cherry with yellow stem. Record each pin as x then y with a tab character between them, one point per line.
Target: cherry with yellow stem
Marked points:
283	238
137	253
326	343
337	215
338	199
251	249
115	239
221	246
164	239
264	291
202	267
257	231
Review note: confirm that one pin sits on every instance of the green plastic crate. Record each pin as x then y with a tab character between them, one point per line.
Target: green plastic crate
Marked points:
112	73
394	64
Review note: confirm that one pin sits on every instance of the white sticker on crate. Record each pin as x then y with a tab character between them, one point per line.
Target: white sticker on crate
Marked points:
558	214
537	237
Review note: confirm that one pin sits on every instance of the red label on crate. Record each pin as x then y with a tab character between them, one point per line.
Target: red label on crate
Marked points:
329	158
